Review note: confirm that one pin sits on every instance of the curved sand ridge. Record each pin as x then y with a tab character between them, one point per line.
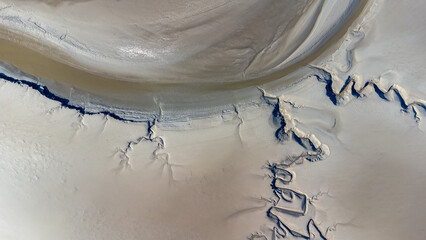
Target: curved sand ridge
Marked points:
175	41
73	52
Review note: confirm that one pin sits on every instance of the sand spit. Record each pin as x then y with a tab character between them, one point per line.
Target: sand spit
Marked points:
334	155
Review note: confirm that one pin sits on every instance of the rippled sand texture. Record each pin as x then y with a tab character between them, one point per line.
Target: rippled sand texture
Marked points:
215	120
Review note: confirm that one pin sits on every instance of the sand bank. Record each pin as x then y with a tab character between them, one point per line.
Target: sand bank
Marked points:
338	154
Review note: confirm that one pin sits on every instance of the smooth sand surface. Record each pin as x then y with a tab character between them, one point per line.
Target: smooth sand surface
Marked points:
337	154
177	42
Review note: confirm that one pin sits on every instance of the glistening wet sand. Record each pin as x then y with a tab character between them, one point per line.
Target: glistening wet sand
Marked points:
44	67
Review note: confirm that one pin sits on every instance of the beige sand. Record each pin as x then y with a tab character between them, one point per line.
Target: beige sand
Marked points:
351	132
